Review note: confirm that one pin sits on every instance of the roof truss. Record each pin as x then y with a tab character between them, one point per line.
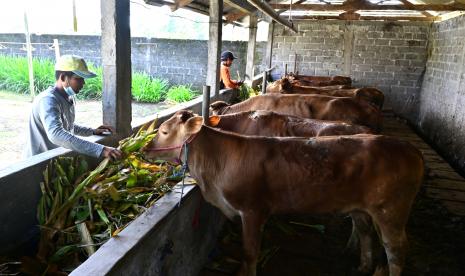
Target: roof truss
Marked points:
411	10
365	5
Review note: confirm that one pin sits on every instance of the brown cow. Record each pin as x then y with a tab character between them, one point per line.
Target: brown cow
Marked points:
322	80
309	84
268	123
310	107
286	85
369	94
373	177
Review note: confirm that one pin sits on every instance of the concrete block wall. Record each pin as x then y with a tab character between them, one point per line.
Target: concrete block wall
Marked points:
390	56
442	102
179	61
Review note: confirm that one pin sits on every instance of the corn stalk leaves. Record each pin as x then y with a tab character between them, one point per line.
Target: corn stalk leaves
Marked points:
80	210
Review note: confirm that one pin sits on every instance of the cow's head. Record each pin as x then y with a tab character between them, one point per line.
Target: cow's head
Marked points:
218	107
280	86
172	134
286	85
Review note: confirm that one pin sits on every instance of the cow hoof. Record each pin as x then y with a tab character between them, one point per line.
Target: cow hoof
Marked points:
365	268
381	271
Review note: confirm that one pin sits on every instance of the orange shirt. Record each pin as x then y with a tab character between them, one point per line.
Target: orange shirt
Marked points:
225	76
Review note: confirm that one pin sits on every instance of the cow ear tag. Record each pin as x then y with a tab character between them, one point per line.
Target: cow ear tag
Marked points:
214	120
194	124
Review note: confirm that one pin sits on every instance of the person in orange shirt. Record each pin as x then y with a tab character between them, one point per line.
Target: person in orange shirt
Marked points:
225	77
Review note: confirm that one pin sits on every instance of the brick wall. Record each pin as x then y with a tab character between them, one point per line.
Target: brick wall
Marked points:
442	104
389	56
179	61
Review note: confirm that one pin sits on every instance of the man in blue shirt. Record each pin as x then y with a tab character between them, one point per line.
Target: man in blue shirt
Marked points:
51	123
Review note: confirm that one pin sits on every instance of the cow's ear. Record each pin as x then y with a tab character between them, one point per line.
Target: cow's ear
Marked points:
286	84
214	120
193	125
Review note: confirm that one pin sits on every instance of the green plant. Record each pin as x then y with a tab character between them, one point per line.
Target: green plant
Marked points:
148	89
14	74
92	90
181	93
14	77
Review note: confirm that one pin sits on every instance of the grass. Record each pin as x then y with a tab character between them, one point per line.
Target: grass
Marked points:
14	74
148	89
14	77
181	93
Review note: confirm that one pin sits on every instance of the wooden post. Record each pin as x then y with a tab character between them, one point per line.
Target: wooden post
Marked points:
269	45
264	82
214	45
206	104
74	16
30	65
56	46
251	46
116	63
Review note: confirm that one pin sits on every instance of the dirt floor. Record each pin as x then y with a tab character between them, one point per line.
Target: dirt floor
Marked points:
14	115
315	245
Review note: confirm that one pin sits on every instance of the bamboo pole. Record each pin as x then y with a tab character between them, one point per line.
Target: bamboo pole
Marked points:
29	55
56	46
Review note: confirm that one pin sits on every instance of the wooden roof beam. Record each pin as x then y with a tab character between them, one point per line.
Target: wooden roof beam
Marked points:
369	6
411	5
179	4
373	18
241	6
268	10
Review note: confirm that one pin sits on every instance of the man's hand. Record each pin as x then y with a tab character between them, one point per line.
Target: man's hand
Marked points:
112	153
104	130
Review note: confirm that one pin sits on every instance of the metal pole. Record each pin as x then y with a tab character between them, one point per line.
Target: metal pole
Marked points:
206	104
295	63
264	83
56	46
29	55
285	70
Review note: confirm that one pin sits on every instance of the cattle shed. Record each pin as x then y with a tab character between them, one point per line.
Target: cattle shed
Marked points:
411	50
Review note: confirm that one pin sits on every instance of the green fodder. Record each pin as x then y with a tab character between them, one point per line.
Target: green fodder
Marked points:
14	74
148	89
181	93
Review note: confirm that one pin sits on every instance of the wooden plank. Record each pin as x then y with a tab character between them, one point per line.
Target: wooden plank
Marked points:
457	208
369	18
410	5
441	174
449	195
439	165
367	6
180	4
116	63
240	5
457	185
234	16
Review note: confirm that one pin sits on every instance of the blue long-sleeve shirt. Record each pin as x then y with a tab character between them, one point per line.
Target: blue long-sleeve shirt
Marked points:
51	125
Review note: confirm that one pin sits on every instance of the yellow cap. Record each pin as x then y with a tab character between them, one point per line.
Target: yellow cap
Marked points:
75	64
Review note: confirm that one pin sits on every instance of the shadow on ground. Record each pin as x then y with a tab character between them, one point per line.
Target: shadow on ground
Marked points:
304	245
